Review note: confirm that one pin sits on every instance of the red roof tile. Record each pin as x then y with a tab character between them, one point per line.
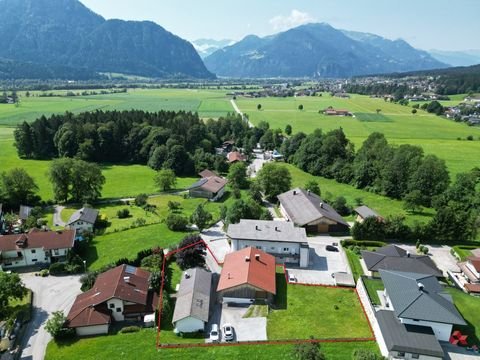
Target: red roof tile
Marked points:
475	261
47	240
259	273
235	156
475	288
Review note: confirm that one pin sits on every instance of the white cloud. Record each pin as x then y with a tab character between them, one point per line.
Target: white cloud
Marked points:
296	18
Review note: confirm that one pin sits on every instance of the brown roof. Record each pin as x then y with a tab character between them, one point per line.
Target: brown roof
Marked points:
473	288
124	282
237	270
207	173
35	239
235	156
212	184
475	261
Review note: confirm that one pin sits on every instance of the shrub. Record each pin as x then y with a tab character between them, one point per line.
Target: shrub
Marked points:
174	205
141	200
55	323
87	280
44	273
130	329
176	222
424	250
346	243
57	269
363	354
123	213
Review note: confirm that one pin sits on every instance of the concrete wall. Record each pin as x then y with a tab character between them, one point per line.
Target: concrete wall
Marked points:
114	304
92	330
189	325
442	331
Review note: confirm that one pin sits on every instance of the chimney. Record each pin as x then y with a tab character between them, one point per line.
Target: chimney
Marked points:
229	276
294	192
187	275
420	286
276	228
257	257
247	258
321	205
257	228
408	253
308	192
126	279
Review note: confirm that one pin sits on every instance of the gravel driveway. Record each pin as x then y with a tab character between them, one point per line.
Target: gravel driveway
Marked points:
49	294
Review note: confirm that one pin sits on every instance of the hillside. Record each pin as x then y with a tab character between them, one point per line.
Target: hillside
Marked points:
457	58
66	33
206	47
317	50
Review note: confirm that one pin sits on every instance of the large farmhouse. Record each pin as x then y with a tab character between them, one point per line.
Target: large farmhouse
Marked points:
119	294
247	275
279	238
35	248
210	186
308	210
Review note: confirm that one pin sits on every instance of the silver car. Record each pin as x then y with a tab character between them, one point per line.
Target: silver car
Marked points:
227	332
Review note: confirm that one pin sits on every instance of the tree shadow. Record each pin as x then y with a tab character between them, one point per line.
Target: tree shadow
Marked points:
280	299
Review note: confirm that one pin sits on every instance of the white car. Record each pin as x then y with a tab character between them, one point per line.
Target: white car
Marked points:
214	333
227	332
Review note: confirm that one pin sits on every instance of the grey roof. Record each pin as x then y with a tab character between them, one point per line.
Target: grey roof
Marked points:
198	184
193	297
392	257
24	212
305	207
410	301
365	212
267	231
84	214
411	339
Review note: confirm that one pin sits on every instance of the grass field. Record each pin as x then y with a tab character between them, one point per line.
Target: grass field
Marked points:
372	286
435	134
141	345
468	306
314	311
354	262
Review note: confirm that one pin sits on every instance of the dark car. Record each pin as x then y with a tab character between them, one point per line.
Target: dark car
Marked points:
331	248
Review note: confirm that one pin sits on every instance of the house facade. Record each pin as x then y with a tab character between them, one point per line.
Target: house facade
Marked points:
119	294
471	273
83	220
287	243
35	248
248	275
192	307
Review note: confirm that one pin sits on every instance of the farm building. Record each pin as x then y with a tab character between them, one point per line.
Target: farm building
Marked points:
363	212
308	210
192	308
119	294
279	238
210	186
248	275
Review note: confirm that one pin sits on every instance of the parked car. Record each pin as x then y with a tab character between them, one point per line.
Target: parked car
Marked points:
331	248
291	277
228	332
214	334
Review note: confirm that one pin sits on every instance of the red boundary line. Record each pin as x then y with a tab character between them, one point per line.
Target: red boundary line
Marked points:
267	342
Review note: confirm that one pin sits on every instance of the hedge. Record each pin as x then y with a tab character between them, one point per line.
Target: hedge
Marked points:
346	243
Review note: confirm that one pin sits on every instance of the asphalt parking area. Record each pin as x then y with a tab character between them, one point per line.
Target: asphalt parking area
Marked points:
250	329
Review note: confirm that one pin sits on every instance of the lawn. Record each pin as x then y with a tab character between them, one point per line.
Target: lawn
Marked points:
141	345
372	286
469	308
354	263
464	251
302	312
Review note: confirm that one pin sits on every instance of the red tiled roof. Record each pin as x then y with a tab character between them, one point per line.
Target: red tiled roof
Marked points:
47	240
257	273
235	156
475	288
207	173
214	184
475	261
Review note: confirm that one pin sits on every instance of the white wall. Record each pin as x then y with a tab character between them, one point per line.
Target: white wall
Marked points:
189	325
81	226
117	303
92	330
31	258
442	331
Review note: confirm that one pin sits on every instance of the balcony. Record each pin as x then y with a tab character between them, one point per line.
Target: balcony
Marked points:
10	259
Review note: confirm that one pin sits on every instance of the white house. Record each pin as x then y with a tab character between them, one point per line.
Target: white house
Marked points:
192	308
83	220
119	294
279	238
36	247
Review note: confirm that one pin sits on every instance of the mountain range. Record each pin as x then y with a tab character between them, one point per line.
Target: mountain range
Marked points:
318	50
206	47
457	58
66	33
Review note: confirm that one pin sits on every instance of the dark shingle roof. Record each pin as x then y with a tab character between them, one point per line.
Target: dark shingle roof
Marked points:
305	207
392	257
193	297
365	212
84	214
420	297
407	338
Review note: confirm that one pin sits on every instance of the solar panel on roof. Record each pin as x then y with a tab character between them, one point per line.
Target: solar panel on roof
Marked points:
130	269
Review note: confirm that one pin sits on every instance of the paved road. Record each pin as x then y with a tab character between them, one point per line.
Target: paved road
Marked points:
49	294
217	242
57	218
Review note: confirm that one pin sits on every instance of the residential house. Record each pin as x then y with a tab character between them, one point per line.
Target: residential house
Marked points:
308	210
210	186
83	220
35	248
279	238
248	275
236	156
471	272
192	308
363	212
119	294
418	299
392	257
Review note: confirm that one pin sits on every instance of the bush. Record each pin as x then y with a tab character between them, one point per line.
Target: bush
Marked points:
141	200
123	214
346	243
363	354
44	273
130	329
176	222
57	269
174	205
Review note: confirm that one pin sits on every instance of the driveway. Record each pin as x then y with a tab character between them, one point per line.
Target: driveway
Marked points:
49	294
322	262
217	242
57	218
250	329
440	254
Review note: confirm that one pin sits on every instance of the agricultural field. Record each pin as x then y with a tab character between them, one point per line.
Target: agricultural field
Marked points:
435	134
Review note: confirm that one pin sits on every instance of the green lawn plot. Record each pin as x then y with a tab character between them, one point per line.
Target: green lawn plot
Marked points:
354	263
301	312
372	286
469	307
208	103
464	251
383	205
141	345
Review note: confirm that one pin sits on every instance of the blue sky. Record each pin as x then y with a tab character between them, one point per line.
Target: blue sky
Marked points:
426	24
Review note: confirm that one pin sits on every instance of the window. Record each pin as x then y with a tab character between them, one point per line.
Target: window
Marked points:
19	254
34	251
119	309
111	306
259	247
286	249
415	356
56	252
401	354
34	260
